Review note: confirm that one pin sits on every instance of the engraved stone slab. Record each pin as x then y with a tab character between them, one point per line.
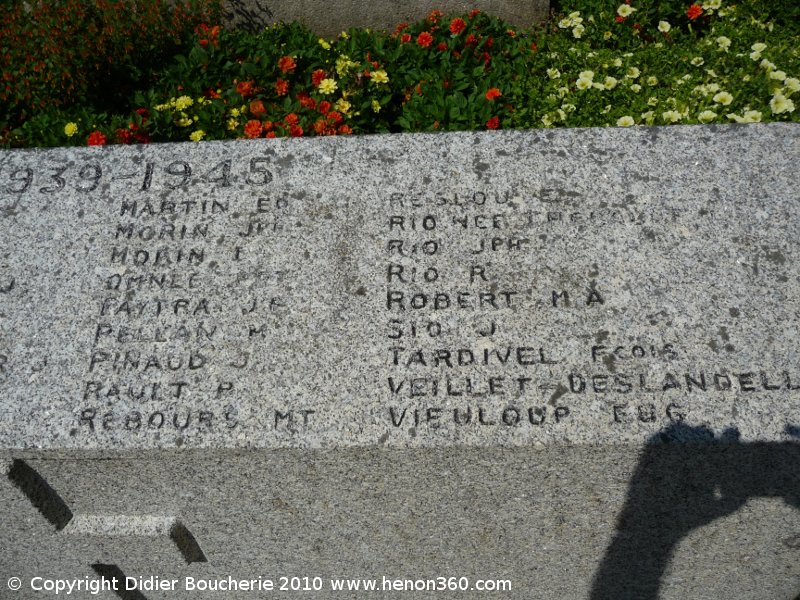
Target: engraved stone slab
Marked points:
483	289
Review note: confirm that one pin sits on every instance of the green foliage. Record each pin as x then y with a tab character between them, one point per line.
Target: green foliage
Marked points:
599	63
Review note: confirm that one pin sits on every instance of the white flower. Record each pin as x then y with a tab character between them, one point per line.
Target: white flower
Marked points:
624	10
633	72
723	98
755	55
664	27
781	104
765	64
562	115
724	43
562	91
553	73
752	116
617	62
648	117
636	88
792	84
652	80
712	4
608	35
625	121
583	84
547	121
577	31
565	23
568	107
697	61
598	86
610	83
706	116
779	75
671	116
758	47
712	88
652	101
587	75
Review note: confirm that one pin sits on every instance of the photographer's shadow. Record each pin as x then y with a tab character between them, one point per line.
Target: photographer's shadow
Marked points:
687	478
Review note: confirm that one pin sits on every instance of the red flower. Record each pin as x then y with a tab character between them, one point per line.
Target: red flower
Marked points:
212	93
694	11
292	119
471	39
321	127
405	38
286	64
252	129
142	138
306	101
493	93
96	138
295	131
324	107
434	16
124	136
401	26
345	129
424	39
281	87
474	13
267	126
245	88
257	108
441	47
271	134
533	47
457	26
335	117
619	19
317	77
493	123
143	112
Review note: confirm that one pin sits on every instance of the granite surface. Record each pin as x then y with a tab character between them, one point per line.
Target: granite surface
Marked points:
560	362
480	289
333	16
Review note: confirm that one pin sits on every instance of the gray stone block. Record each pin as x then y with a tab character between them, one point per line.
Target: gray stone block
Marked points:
563	359
330	18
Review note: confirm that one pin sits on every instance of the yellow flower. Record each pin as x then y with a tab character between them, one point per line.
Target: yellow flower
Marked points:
235	112
625	121
325	45
342	105
706	116
327	86
624	10
232	124
183	103
723	98
344	35
376	106
781	104
70	129
197	135
379	76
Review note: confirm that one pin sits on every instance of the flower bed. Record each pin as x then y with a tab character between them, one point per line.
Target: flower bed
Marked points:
601	63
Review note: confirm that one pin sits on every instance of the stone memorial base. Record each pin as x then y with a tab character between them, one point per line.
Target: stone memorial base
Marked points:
516	364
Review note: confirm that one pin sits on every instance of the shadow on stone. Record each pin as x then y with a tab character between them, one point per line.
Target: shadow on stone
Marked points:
687	478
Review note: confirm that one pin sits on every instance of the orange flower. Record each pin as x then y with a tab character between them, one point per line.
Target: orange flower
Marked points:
271	134
424	39
295	131
267	126
306	101
245	88
694	11
493	93
457	26
345	129
96	138
317	77
335	117
252	128
292	119
286	64
434	16
493	123
257	108
281	87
